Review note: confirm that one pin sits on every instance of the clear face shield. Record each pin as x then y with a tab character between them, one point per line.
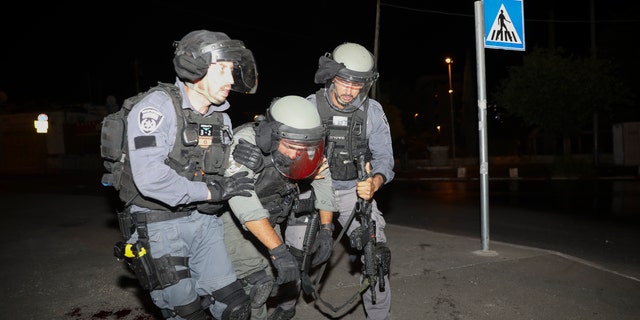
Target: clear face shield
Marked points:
348	93
245	72
297	159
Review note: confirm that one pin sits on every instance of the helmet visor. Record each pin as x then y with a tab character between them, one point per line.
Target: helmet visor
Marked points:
347	95
298	159
245	72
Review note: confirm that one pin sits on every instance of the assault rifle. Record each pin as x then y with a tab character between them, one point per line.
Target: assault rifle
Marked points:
368	229
376	263
309	239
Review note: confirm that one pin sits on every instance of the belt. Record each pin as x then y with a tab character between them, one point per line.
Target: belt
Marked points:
157	216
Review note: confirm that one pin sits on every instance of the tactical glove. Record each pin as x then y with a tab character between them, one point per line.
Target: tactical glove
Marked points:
223	188
359	237
322	247
285	263
249	155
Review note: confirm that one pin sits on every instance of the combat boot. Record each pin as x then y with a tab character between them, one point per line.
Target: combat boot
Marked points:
281	314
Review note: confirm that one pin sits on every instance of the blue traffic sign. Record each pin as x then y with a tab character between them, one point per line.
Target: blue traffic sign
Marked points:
504	24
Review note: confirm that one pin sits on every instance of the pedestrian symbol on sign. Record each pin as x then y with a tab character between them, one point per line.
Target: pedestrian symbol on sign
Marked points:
502	29
503	24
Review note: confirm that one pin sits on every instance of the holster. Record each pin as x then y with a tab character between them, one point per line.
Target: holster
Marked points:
156	273
126	224
152	273
144	269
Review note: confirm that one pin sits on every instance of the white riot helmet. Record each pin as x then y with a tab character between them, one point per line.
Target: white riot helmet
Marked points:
350	65
297	136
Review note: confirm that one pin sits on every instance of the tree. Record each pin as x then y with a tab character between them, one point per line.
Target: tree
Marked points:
394	117
559	93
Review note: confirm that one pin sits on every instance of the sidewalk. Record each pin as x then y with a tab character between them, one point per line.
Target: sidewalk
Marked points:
61	266
439	276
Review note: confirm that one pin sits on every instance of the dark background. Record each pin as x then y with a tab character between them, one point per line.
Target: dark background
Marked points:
62	53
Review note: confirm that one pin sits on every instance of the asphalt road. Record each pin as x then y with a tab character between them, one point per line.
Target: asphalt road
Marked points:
594	219
56	229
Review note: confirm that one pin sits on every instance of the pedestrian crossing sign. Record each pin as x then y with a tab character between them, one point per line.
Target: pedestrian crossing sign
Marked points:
504	24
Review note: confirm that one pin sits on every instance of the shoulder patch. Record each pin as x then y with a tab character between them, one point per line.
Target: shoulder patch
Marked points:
149	119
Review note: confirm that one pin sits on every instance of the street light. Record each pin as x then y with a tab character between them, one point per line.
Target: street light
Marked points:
449	61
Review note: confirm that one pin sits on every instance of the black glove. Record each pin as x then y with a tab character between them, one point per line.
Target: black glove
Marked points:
248	155
285	263
223	188
359	237
322	246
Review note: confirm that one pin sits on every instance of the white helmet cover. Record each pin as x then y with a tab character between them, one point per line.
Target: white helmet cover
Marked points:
352	63
300	131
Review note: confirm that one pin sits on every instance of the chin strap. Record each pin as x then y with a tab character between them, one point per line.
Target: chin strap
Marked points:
206	95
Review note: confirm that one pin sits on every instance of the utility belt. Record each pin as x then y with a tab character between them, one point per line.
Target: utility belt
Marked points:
158	216
128	221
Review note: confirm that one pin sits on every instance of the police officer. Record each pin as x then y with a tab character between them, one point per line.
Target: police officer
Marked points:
357	126
292	186
175	144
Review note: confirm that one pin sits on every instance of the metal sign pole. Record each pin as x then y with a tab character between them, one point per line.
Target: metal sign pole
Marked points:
482	124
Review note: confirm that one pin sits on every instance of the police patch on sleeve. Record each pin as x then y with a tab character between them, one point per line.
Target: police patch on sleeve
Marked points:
149	119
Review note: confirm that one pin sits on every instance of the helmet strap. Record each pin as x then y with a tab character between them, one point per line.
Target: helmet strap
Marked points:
195	88
265	139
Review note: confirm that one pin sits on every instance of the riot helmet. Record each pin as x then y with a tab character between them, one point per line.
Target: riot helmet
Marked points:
198	49
297	136
348	74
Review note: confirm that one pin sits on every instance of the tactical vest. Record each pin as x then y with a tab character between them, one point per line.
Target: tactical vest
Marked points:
277	193
187	158
346	139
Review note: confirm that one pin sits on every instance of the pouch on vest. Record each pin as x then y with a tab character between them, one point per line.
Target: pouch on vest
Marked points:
215	158
112	138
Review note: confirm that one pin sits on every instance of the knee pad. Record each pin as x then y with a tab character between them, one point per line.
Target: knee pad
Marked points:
191	311
237	301
261	286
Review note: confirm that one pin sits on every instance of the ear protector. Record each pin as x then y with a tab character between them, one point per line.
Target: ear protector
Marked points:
190	68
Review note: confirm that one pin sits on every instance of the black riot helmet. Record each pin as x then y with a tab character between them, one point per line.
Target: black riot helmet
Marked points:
198	49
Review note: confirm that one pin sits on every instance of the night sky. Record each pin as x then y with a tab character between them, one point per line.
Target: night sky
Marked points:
80	53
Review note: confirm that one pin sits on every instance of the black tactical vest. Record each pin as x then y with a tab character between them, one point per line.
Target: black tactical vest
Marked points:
187	158
346	139
276	192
